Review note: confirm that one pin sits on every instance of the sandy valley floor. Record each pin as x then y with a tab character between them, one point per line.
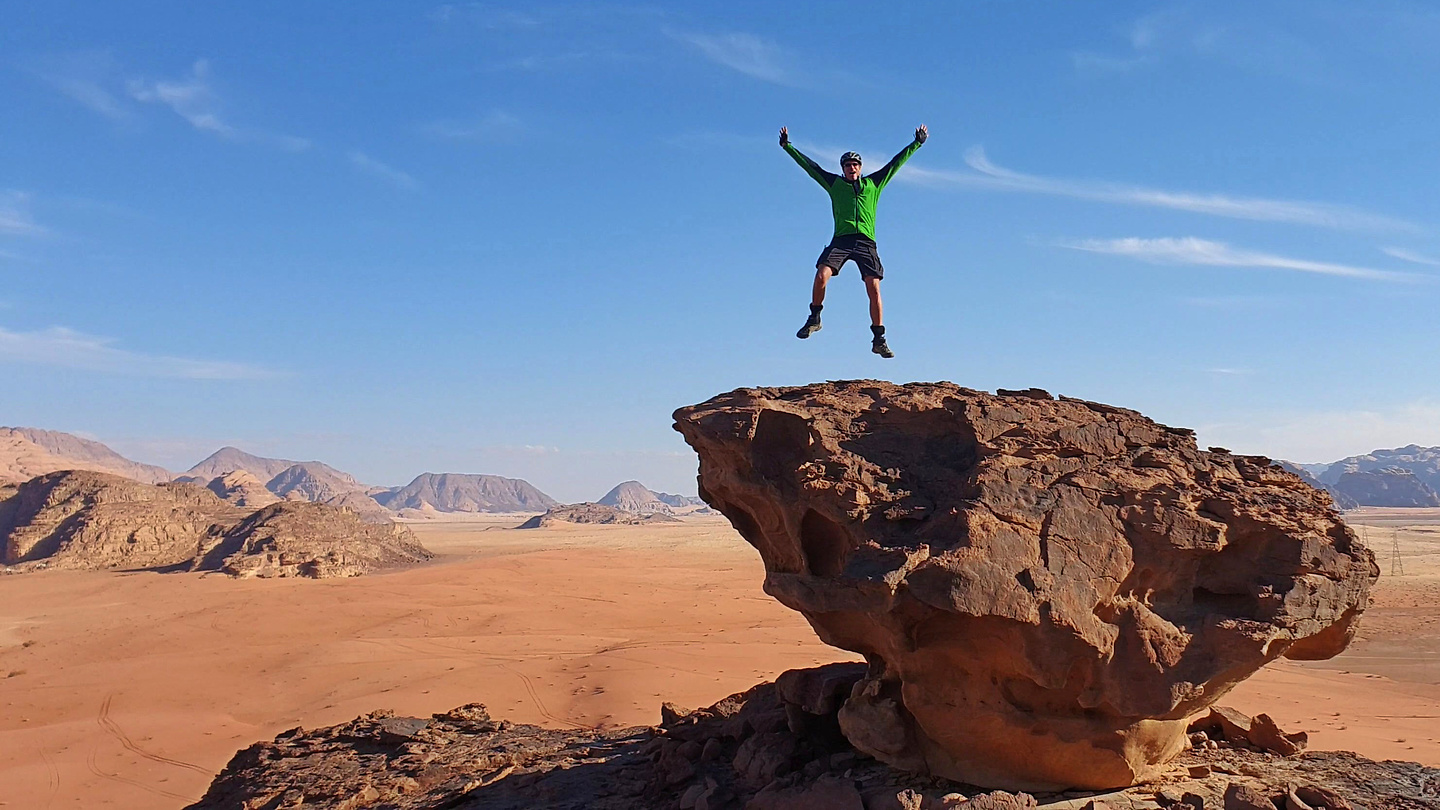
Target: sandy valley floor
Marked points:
131	690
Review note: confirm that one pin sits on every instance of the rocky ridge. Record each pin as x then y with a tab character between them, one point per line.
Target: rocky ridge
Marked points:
597	514
1044	588
777	746
86	520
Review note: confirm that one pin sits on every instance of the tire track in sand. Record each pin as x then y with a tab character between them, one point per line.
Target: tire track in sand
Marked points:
54	778
114	730
115	777
540	704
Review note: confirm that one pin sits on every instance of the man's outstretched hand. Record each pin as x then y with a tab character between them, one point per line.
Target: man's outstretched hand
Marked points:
784	136
921	133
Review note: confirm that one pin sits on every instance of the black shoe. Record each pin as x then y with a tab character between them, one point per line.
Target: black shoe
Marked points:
880	347
812	325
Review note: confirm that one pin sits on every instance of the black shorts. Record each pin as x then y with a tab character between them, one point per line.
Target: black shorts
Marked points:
852	247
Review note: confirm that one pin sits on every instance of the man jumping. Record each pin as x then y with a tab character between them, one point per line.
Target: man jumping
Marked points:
852	201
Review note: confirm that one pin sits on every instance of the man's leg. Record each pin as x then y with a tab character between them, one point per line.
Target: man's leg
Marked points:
877	327
822	277
817	301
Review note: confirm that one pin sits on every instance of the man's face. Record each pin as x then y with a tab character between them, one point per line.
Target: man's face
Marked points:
851	170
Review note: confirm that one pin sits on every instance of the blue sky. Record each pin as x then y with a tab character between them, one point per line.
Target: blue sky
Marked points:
512	238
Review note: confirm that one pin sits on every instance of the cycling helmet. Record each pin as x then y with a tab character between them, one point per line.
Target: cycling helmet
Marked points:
850	157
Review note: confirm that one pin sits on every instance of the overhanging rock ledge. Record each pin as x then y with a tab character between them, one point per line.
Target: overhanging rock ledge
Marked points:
1045	589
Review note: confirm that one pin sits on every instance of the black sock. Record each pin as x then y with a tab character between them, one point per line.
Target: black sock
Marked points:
878	330
815	308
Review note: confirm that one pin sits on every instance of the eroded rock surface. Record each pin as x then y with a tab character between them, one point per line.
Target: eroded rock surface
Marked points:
775	747
1045	589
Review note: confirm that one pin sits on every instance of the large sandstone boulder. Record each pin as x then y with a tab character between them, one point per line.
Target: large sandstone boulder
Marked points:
1045	589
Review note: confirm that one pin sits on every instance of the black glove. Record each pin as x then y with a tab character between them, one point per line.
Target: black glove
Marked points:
921	134
784	136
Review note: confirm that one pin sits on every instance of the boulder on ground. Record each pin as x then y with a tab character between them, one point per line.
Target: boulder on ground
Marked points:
1045	589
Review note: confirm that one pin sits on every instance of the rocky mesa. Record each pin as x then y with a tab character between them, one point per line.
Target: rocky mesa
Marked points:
1045	589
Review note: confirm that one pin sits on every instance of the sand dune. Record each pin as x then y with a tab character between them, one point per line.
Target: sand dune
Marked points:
135	688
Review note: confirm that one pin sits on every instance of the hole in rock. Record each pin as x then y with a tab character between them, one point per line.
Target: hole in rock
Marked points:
1234	605
1026	581
781	443
824	544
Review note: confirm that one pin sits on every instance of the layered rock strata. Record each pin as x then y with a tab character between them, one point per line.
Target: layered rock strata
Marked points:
1045	589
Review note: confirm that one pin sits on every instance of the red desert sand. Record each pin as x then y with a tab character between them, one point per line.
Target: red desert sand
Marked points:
132	690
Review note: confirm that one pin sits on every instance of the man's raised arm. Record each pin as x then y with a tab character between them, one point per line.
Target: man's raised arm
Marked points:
889	169
824	178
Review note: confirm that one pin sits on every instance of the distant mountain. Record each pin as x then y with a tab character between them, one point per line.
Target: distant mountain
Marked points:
456	492
1424	462
1342	500
242	489
1391	486
679	501
230	459
28	452
634	497
312	481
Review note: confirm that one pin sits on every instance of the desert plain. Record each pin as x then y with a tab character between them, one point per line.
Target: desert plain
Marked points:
131	690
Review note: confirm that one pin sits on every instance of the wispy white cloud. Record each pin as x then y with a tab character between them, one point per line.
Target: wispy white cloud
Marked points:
749	54
987	175
493	125
15	217
1411	256
1192	251
190	98
83	77
193	98
383	171
1231	372
66	348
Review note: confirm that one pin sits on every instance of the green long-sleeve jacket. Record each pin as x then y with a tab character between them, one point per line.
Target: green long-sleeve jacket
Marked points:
853	204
